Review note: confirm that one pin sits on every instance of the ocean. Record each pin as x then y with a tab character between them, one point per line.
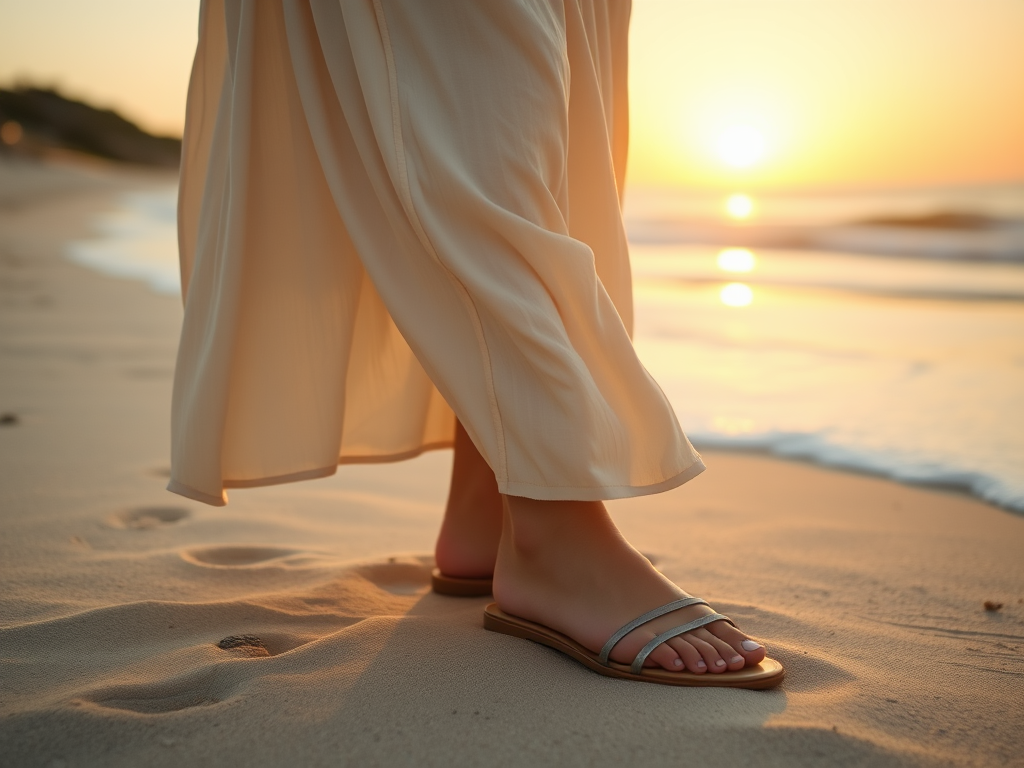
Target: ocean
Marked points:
880	332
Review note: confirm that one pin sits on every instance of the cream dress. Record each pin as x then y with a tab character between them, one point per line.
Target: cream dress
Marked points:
395	211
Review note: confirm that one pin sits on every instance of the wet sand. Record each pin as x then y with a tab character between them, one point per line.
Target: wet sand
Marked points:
295	626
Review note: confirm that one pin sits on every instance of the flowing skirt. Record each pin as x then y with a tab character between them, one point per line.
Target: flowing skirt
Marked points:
395	211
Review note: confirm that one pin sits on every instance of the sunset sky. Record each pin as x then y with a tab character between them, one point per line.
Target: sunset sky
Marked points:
725	93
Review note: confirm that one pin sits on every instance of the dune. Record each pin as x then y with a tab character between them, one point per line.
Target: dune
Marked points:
296	627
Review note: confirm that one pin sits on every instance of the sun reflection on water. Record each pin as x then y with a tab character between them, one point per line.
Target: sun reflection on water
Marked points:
736	260
736	295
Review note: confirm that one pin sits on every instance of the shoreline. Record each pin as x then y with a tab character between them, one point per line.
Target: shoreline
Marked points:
116	592
959	489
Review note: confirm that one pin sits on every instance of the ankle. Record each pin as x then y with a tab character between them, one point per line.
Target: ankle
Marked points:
536	530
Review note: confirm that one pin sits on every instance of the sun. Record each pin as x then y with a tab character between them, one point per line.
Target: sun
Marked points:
740	146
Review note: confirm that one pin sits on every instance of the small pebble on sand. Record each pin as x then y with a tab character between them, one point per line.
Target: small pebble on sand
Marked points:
991	605
250	645
8	419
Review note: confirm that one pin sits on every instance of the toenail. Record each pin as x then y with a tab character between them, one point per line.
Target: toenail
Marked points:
750	645
701	664
678	662
735	659
719	663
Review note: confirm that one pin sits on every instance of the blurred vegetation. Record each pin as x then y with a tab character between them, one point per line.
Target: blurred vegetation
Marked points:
37	121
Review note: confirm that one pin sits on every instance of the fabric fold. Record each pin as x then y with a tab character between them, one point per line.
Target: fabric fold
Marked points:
393	212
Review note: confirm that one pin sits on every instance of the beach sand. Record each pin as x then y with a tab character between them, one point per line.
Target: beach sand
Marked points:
116	593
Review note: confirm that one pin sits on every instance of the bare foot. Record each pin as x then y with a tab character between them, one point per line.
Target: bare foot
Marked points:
564	564
467	545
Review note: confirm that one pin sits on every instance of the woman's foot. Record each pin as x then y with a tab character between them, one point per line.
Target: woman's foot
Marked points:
565	565
467	545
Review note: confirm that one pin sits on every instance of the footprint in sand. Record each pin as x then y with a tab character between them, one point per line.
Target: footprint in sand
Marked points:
203	687
147	518
399	575
250	557
195	690
158	705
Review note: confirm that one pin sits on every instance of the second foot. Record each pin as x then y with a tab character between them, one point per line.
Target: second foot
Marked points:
467	544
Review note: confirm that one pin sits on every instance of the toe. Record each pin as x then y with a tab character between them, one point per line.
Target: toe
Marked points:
691	657
665	656
732	659
752	651
711	657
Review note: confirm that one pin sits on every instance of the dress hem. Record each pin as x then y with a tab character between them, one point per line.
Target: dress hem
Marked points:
191	493
527	490
600	493
181	489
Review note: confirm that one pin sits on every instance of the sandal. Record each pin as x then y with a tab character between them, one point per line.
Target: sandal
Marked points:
459	586
767	674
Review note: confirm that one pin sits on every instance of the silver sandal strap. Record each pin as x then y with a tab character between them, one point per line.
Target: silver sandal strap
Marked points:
638	662
606	651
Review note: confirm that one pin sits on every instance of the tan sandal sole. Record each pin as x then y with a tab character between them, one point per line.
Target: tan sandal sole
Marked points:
456	586
767	674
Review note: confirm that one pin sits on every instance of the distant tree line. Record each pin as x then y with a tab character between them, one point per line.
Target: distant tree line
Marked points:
34	120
